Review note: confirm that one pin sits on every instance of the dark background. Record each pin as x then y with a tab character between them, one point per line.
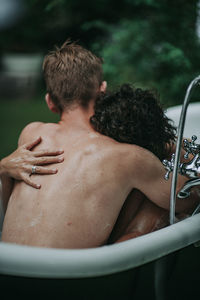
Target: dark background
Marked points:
148	43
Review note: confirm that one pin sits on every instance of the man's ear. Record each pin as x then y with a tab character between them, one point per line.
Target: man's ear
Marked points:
103	87
52	107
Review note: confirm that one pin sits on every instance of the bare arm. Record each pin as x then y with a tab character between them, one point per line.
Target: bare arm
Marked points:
147	174
18	165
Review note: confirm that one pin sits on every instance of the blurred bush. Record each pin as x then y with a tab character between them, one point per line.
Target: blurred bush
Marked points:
155	46
146	42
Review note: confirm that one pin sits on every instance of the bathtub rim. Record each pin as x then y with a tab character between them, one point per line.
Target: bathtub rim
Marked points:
26	261
192	116
175	111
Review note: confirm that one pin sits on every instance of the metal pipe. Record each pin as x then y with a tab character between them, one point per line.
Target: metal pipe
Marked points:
178	148
185	191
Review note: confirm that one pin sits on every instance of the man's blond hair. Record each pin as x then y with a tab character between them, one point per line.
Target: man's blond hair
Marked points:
72	74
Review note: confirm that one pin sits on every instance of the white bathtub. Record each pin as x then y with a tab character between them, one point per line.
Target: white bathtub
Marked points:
192	124
140	268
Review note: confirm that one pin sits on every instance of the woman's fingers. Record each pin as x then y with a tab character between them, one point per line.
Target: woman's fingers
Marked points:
30	182
43	170
47	160
47	153
35	142
38	170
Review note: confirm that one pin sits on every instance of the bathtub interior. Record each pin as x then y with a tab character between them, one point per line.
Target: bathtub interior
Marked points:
192	124
177	269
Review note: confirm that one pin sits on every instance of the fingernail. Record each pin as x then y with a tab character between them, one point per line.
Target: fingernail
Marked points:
60	151
55	171
61	159
38	186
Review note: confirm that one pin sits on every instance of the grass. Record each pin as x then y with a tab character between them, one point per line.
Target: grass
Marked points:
15	115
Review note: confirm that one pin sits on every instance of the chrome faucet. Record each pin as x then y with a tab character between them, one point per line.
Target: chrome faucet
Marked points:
191	169
175	162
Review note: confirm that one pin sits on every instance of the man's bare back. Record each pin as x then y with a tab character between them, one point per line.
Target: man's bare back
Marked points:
78	207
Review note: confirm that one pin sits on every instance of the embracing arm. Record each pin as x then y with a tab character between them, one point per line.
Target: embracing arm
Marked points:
18	166
147	173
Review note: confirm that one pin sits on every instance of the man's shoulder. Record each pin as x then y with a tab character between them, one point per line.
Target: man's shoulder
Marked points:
126	153
32	126
29	131
131	157
128	149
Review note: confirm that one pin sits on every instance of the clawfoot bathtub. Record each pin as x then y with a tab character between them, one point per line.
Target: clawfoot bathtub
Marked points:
161	265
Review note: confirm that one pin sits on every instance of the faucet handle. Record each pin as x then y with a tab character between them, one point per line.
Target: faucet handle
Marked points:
169	165
191	147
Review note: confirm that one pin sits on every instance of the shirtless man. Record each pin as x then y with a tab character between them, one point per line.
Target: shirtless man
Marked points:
78	207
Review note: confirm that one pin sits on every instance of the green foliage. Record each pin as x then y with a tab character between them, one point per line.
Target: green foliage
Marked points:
15	115
159	51
153	3
146	42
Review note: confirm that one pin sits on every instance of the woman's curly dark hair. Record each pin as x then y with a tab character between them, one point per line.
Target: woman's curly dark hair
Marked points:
134	116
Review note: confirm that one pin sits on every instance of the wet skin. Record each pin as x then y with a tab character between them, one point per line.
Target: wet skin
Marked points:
78	207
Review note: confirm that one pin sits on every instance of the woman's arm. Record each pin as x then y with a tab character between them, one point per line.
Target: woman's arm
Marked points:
18	165
148	176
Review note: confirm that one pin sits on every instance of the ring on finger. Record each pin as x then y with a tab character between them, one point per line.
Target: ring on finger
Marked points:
33	171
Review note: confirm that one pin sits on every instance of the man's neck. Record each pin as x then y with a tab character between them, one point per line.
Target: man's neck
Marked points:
78	117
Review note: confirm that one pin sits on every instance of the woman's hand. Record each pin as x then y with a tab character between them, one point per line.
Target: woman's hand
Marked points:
22	163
